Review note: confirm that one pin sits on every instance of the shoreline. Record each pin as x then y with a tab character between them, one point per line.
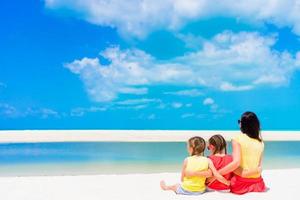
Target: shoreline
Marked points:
133	187
37	136
70	172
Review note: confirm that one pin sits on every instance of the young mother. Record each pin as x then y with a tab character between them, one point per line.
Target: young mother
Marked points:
247	152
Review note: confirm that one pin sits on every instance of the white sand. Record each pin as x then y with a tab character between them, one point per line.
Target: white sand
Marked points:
129	135
282	183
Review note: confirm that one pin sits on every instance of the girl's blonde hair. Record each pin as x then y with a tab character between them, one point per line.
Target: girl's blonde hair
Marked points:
197	144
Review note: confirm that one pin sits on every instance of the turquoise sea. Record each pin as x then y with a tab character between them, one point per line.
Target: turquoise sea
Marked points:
22	159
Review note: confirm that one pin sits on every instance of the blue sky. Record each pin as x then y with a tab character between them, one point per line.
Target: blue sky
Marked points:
148	64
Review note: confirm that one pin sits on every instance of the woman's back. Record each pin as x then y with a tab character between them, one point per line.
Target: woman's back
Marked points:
251	152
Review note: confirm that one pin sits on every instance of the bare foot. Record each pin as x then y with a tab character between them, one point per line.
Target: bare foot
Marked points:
163	185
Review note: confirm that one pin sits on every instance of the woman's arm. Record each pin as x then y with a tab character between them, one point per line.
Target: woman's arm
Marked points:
216	174
249	172
261	158
236	154
183	169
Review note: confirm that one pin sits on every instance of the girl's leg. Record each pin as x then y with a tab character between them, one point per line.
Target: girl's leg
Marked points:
168	187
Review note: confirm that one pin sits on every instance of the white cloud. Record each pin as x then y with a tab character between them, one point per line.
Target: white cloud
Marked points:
139	17
208	101
10	111
137	101
191	41
228	62
214	107
144	116
123	75
176	105
135	104
137	107
188	105
190	93
79	112
42	112
7	110
161	105
137	91
187	115
225	86
152	117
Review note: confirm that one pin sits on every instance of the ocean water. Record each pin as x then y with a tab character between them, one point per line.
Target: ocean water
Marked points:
22	159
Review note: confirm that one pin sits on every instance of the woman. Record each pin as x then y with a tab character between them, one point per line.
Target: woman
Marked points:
247	151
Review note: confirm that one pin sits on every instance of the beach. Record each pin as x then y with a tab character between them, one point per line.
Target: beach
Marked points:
130	185
133	186
31	136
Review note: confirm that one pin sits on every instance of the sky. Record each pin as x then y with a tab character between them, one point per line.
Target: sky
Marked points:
148	64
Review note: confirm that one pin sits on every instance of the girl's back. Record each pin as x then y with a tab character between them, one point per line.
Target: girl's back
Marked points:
220	162
195	183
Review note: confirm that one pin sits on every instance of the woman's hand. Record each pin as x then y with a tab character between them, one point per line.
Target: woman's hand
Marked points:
227	182
248	172
210	180
259	169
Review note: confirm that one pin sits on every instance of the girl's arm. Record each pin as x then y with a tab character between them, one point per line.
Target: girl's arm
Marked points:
205	173
183	169
236	154
216	174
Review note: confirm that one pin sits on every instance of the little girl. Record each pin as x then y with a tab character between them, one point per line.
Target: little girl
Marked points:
218	155
196	162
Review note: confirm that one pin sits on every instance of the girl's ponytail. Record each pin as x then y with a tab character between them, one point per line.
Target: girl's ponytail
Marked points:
197	144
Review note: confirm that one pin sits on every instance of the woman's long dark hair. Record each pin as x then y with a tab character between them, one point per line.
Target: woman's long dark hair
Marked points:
250	125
